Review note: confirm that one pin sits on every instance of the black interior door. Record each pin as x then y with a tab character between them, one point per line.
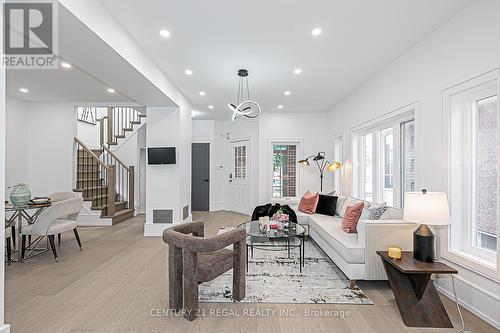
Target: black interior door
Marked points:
200	182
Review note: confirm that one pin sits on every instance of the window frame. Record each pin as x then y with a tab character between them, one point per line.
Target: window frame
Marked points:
298	187
338	142
451	247
394	120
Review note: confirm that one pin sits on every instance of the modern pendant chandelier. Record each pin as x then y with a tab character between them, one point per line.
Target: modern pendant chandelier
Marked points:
244	105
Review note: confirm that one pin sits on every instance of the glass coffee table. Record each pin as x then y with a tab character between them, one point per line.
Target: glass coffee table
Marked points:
275	239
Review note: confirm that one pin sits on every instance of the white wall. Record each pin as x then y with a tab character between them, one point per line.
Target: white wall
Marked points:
90	134
94	15
168	186
39	141
52	128
464	47
16	162
3	328
310	129
128	153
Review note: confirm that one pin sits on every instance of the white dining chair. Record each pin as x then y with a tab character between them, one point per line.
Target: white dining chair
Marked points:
54	220
60	196
8	237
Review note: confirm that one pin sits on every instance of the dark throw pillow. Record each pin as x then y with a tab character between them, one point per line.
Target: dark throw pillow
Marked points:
327	204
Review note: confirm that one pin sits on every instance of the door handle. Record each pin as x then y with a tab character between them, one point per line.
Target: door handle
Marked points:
207	180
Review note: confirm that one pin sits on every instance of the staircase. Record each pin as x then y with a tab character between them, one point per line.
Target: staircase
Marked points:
102	178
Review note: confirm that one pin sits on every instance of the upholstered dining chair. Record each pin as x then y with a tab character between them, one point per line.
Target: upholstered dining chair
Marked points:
60	196
193	259
56	219
8	237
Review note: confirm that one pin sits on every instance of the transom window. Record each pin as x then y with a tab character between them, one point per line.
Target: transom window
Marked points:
284	180
384	160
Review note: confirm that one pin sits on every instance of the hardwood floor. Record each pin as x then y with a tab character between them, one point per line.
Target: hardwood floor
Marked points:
119	284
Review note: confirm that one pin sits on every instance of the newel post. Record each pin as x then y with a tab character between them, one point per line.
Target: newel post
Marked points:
111	190
131	200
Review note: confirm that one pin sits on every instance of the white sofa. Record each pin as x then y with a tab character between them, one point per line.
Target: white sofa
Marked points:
355	253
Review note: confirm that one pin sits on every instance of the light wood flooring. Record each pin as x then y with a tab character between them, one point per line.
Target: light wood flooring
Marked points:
119	284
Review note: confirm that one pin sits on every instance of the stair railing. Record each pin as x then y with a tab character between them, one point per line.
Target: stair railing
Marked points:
94	178
124	177
116	123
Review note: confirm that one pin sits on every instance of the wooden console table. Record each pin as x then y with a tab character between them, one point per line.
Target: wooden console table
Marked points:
418	300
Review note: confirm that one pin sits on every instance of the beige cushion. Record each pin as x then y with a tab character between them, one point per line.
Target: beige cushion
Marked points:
340	204
351	201
56	227
346	245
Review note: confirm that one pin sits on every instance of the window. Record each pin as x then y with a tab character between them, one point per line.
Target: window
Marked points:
485	136
337	157
472	110
408	157
284	180
240	162
387	155
384	159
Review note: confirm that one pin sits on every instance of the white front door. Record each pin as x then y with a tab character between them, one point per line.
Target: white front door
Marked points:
240	177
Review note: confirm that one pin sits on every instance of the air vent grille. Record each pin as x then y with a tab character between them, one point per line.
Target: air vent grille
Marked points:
163	216
185	212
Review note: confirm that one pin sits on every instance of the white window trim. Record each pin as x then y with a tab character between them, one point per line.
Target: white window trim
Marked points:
401	115
339	173
462	258
298	180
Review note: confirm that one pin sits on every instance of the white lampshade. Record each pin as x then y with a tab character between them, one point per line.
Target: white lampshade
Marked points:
430	208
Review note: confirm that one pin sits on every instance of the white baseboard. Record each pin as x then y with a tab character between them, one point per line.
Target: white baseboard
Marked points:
217	206
4	328
156	229
468	307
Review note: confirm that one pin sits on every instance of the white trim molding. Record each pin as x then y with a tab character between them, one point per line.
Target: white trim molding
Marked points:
455	107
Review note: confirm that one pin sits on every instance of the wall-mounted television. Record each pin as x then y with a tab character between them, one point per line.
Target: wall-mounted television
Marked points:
161	155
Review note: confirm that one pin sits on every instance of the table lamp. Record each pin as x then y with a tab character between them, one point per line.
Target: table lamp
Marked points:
425	208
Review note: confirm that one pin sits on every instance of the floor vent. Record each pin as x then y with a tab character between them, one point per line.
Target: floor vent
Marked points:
163	216
185	212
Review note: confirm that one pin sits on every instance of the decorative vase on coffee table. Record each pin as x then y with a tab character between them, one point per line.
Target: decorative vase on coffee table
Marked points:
20	195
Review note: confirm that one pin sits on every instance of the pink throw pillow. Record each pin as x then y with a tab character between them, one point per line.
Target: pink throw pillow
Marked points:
309	202
351	217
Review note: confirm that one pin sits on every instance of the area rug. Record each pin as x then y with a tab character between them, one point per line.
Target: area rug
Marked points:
275	278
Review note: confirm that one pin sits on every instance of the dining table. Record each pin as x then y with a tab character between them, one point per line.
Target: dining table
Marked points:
15	215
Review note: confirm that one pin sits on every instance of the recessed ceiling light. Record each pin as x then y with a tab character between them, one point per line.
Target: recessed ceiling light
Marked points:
188	72
297	71
111	90
65	65
287	93
165	33
24	90
280	106
210	107
202	93
316	31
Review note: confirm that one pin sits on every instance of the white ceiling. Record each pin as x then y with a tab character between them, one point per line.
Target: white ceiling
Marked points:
270	39
95	67
61	85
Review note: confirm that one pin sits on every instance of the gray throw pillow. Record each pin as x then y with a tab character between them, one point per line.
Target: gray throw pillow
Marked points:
374	212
